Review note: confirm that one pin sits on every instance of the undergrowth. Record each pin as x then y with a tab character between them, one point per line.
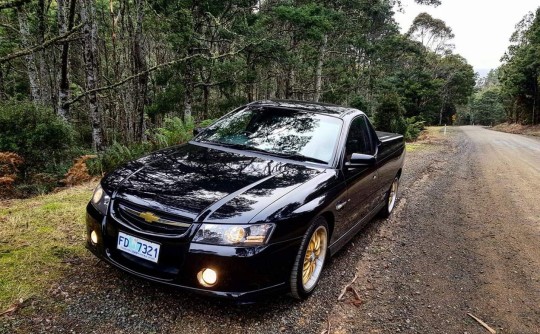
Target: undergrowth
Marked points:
174	132
39	238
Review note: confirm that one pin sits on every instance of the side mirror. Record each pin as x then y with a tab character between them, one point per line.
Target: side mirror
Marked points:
361	160
196	131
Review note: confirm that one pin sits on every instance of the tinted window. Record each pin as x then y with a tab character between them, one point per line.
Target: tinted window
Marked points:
279	131
358	140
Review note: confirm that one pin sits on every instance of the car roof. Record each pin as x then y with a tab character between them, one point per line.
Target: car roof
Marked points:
309	106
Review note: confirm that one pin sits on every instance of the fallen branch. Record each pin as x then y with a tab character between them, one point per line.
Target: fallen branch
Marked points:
39	47
347	287
327	330
486	326
14	307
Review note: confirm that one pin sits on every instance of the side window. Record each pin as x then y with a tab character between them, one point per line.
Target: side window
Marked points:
358	139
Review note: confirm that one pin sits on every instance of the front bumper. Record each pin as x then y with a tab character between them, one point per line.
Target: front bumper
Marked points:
244	273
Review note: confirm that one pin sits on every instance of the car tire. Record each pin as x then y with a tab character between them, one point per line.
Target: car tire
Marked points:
390	199
310	260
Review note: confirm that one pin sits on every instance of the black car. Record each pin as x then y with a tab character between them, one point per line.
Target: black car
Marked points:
255	203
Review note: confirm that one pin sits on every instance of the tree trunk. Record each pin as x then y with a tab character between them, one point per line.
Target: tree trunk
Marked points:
535	97
188	96
441	112
88	16
289	83
188	89
318	75
206	95
2	93
44	79
139	65
31	67
249	82
64	25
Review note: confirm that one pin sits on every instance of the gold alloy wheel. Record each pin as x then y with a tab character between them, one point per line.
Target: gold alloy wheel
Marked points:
314	258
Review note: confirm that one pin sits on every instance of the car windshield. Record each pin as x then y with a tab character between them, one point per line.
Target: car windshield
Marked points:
294	134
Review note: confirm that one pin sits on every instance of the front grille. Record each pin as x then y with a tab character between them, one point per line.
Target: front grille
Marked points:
156	221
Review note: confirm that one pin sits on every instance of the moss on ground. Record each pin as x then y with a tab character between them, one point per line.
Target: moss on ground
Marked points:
38	238
431	135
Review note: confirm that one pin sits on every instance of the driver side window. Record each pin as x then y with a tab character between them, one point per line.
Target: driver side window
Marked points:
358	139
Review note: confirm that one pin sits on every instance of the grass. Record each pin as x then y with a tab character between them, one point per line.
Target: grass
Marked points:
431	135
38	238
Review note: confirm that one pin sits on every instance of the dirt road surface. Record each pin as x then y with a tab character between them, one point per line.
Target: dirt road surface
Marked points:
465	238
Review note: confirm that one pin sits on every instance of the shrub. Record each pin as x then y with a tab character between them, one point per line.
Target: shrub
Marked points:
389	115
414	127
116	155
173	132
9	168
38	135
78	173
206	123
360	103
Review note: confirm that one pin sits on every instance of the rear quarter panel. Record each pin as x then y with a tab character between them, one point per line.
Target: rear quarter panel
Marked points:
390	158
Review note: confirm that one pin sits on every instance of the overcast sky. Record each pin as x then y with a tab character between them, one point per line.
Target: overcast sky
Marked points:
482	27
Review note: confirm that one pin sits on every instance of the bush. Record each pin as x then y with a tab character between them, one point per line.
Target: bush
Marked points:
206	123
9	168
174	132
360	103
414	127
38	135
78	173
116	155
389	115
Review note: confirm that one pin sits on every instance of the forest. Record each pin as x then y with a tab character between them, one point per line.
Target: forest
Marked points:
107	81
510	93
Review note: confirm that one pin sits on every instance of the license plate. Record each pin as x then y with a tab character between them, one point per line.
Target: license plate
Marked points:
139	247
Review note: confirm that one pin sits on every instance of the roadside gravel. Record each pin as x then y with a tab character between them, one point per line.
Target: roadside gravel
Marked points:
464	239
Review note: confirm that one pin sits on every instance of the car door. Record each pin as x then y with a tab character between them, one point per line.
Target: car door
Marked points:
361	181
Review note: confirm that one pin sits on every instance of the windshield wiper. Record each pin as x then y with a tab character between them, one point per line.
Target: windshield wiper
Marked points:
293	156
238	146
301	157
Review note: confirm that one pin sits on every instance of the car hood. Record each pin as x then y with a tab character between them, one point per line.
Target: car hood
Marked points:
202	182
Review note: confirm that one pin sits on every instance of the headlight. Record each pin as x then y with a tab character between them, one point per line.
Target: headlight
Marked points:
100	200
234	235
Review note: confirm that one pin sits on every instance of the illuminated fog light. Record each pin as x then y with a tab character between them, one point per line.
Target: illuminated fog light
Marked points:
93	237
207	277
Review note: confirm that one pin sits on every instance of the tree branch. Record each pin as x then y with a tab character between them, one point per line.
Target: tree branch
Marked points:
7	26
152	69
12	4
39	47
209	84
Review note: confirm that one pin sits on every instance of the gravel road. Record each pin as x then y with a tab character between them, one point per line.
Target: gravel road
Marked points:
464	238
